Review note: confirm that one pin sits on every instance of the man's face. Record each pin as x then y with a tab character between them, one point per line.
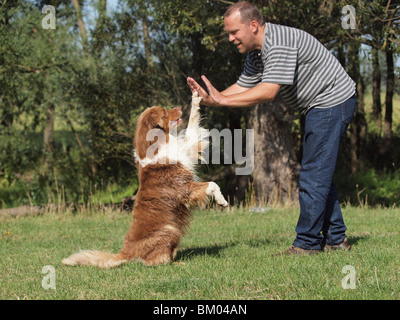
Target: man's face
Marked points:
242	35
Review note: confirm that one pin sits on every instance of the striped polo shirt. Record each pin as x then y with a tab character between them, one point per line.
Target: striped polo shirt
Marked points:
309	75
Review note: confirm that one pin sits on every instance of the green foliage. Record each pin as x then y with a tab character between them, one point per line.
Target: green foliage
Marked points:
132	58
369	187
97	92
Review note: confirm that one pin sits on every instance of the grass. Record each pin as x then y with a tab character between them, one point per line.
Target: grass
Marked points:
17	194
224	255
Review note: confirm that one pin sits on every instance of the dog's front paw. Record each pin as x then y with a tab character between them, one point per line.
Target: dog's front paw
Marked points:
196	100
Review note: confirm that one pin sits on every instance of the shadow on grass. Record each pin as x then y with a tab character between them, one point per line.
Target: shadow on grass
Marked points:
353	240
202	251
216	250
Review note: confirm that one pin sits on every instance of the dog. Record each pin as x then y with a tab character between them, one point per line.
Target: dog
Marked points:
168	189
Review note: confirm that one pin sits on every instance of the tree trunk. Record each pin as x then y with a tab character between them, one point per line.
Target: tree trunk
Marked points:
149	55
341	55
102	10
376	89
147	43
275	175
48	138
358	138
387	129
237	186
98	39
82	30
81	24
197	55
361	122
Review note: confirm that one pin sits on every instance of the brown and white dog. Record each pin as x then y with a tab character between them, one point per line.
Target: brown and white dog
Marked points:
168	189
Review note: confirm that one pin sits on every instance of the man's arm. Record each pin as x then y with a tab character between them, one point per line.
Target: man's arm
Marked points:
234	89
260	93
235	96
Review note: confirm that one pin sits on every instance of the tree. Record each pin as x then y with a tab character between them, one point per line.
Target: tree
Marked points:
275	176
376	89
94	80
379	30
81	23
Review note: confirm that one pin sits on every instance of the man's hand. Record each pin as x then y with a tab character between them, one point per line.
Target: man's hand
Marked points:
234	96
211	98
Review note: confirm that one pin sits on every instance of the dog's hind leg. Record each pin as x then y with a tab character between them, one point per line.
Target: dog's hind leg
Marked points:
159	247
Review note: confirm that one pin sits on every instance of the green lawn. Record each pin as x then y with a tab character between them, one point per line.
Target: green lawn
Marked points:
224	255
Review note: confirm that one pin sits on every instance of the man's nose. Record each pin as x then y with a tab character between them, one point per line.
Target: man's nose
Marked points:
231	38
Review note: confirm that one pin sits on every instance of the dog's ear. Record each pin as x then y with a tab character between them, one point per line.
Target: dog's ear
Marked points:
151	119
156	121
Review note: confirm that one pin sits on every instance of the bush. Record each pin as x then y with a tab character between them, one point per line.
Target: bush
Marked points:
369	187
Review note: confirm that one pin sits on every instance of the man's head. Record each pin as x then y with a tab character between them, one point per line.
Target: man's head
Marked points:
243	21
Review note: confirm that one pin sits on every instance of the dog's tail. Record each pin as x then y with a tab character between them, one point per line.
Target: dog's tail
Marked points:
95	258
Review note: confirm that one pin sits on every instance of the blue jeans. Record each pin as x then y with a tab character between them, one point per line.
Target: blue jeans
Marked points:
321	221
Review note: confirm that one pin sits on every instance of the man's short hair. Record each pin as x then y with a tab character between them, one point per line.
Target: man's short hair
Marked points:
248	12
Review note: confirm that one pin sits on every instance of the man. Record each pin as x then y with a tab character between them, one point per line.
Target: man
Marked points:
310	79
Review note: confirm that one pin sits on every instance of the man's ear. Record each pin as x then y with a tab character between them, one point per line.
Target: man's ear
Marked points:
254	26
